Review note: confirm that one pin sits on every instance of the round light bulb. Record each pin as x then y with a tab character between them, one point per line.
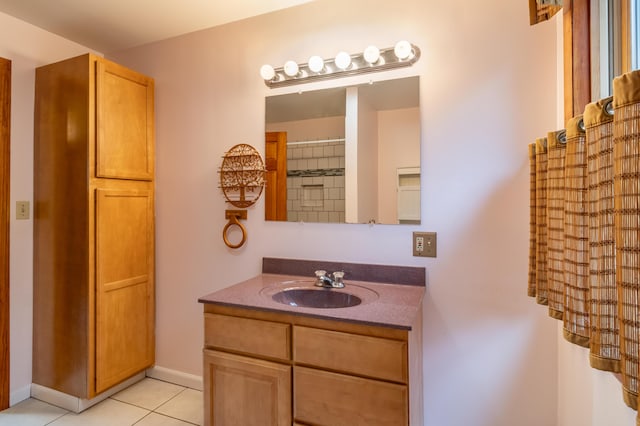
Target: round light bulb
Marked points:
403	49
343	60
316	63
291	68
267	72
371	54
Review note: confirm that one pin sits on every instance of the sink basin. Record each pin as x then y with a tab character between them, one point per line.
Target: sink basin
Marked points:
316	298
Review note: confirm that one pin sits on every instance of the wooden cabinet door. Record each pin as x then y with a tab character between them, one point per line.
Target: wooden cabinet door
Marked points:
124	247
242	391
124	123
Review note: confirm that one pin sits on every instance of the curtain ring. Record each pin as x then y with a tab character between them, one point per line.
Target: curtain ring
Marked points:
608	107
233	216
562	136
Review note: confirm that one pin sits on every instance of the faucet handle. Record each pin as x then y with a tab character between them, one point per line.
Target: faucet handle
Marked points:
337	279
320	275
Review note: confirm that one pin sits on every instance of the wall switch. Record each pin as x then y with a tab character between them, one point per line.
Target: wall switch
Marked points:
22	210
424	244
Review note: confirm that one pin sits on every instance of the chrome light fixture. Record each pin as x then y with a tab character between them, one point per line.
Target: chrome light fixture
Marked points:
403	54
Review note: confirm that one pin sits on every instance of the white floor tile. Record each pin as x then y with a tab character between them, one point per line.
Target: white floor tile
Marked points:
107	413
188	405
148	393
30	412
155	419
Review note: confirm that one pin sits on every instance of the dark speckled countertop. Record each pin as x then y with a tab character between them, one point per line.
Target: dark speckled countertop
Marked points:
388	305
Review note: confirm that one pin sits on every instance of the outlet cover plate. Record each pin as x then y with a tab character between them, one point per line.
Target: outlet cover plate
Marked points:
425	244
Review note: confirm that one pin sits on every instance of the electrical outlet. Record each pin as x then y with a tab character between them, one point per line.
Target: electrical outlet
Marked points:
22	210
424	244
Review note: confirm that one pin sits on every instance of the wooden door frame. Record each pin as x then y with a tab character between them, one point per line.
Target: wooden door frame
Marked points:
577	59
5	131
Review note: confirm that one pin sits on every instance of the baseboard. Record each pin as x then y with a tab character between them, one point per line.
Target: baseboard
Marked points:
19	395
73	403
176	377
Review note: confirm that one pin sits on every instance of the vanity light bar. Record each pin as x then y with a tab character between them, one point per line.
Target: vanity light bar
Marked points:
403	54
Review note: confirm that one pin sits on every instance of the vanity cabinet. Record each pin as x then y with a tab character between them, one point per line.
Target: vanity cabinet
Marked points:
93	225
310	371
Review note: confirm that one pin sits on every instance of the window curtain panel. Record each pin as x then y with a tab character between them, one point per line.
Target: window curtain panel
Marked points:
531	284
576	236
603	307
626	157
556	142
600	224
542	10
541	221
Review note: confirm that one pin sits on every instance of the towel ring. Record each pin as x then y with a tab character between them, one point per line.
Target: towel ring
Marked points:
234	216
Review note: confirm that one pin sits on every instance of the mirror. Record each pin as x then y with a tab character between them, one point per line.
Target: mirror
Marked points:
344	155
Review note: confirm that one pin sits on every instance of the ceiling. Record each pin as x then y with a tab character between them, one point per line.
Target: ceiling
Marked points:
112	25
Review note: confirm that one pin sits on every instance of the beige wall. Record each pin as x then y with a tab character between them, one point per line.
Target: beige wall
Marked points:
487	89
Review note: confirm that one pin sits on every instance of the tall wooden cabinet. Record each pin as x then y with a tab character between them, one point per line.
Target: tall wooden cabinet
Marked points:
93	225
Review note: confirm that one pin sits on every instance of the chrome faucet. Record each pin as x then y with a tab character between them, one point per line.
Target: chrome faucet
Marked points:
323	280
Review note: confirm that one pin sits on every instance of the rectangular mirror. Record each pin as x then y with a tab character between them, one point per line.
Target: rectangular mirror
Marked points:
345	155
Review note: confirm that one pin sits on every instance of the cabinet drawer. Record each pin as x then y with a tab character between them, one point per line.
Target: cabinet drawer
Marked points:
367	356
330	399
262	338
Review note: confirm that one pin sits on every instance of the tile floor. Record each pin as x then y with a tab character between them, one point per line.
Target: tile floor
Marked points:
149	402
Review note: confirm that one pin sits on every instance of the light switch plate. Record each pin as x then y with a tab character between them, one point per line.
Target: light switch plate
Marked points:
22	210
424	244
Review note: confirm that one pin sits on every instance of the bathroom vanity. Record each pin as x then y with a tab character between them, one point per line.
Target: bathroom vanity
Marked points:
269	362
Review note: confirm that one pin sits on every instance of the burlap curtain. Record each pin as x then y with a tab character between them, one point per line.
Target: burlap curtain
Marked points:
626	162
541	221
603	312
576	238
597	280
531	286
556	143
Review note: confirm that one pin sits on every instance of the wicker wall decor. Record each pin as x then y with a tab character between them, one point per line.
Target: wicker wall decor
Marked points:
556	143
531	284
603	309
241	180
626	157
576	236
541	221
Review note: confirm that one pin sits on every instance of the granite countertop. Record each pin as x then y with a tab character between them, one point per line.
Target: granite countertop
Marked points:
387	305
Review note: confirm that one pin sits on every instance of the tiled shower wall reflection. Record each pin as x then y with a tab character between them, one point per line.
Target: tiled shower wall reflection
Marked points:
315	182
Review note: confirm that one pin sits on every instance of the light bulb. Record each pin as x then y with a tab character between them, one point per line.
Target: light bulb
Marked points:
316	63
291	68
343	60
403	49
267	72
371	54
